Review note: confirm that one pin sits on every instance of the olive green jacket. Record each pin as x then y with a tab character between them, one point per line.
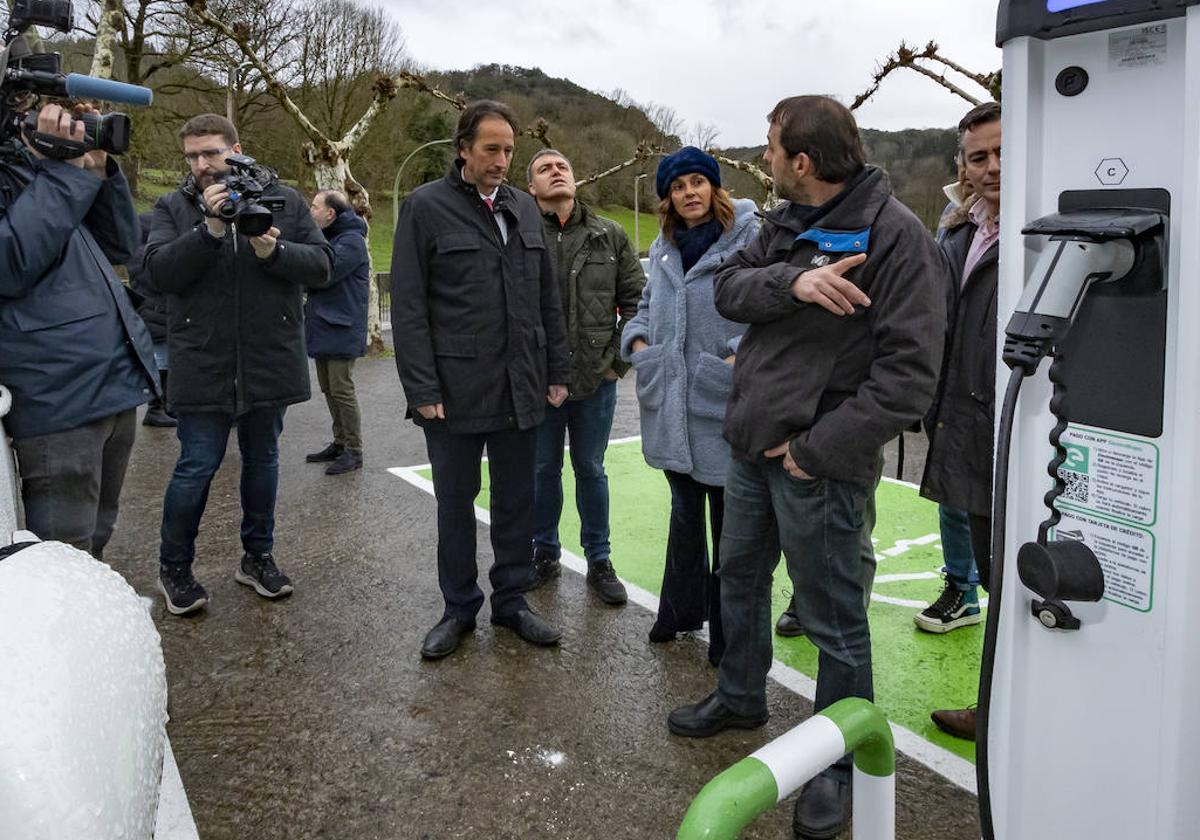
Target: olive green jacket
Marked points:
600	282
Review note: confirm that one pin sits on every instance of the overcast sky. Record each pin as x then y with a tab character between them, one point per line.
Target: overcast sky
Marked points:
721	63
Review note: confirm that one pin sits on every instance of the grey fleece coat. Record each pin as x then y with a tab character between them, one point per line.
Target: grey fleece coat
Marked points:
683	381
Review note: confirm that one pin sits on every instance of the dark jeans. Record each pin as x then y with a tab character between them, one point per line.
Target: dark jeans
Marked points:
71	481
981	546
455	460
203	438
818	525
589	422
691	593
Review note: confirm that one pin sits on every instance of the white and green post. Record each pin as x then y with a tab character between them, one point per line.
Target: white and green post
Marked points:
758	782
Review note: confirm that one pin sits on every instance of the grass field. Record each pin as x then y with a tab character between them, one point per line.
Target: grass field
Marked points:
915	672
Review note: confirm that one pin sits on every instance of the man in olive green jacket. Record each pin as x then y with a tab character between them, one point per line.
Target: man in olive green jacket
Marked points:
600	283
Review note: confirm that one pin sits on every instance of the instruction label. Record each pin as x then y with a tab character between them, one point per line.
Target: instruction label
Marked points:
1132	49
1110	474
1125	552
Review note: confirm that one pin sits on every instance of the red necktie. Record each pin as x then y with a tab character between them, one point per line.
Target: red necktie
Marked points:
488	202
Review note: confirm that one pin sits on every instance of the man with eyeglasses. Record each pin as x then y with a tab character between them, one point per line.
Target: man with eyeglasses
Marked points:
236	344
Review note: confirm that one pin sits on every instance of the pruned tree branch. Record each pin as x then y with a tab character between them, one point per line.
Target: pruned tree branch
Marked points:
416	81
908	57
643	152
764	180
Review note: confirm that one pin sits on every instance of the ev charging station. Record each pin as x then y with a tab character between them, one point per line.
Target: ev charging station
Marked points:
1092	666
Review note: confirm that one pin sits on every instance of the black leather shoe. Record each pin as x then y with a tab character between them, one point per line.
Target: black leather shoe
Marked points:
602	580
823	809
789	623
445	637
529	626
329	453
710	716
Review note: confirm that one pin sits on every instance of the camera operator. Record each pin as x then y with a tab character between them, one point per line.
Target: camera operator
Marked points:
75	355
236	345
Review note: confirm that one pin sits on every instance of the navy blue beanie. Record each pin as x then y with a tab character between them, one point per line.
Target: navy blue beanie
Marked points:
687	160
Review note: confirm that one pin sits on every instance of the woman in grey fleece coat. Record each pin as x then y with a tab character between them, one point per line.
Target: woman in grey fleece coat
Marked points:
683	354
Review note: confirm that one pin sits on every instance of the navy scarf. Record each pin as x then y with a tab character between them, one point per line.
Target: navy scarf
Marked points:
693	242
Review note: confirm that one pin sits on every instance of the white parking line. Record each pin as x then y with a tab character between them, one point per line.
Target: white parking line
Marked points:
174	820
950	766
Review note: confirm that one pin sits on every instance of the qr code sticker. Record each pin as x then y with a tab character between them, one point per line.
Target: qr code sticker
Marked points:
1077	487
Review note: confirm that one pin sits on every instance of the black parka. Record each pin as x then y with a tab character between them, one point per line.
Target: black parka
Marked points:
236	329
958	468
838	387
72	348
477	321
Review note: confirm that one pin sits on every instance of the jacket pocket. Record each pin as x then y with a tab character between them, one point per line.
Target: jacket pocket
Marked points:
711	385
454	346
534	243
651	379
56	310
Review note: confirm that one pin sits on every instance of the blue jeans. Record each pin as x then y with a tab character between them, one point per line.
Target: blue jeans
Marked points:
818	526
956	548
589	422
203	438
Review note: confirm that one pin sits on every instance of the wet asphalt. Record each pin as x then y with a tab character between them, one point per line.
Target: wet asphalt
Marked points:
315	717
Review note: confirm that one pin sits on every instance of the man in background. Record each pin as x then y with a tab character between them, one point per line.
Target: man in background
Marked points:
335	327
600	283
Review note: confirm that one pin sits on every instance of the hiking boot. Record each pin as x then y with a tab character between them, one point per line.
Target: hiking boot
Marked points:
954	608
260	572
329	453
545	569
348	461
180	589
602	580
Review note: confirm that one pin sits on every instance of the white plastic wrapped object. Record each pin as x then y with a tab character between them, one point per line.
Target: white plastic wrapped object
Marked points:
83	700
9	520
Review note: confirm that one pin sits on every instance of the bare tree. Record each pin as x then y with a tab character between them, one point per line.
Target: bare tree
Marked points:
703	135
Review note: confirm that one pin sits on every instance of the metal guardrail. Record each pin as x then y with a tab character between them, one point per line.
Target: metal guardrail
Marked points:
758	782
383	284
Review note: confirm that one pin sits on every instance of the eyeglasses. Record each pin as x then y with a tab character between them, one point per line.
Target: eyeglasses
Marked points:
210	155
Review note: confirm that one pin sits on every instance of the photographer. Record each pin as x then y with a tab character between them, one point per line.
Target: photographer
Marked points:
236	344
75	355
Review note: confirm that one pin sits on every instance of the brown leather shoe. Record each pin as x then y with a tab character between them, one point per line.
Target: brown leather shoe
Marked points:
957	722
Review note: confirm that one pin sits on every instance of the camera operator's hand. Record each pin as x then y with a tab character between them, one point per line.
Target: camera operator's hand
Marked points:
56	121
214	196
95	161
264	245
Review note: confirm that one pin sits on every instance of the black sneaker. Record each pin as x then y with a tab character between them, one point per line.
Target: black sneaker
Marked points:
260	571
545	569
602	580
180	589
348	461
329	453
954	608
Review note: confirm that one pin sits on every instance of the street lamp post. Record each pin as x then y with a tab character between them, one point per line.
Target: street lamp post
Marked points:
637	216
400	171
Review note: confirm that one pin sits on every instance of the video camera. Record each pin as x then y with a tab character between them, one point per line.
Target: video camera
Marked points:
25	75
246	180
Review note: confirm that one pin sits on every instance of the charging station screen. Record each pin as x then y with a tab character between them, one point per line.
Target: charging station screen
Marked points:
1064	5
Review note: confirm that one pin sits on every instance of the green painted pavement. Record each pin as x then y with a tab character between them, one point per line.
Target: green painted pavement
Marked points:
915	672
